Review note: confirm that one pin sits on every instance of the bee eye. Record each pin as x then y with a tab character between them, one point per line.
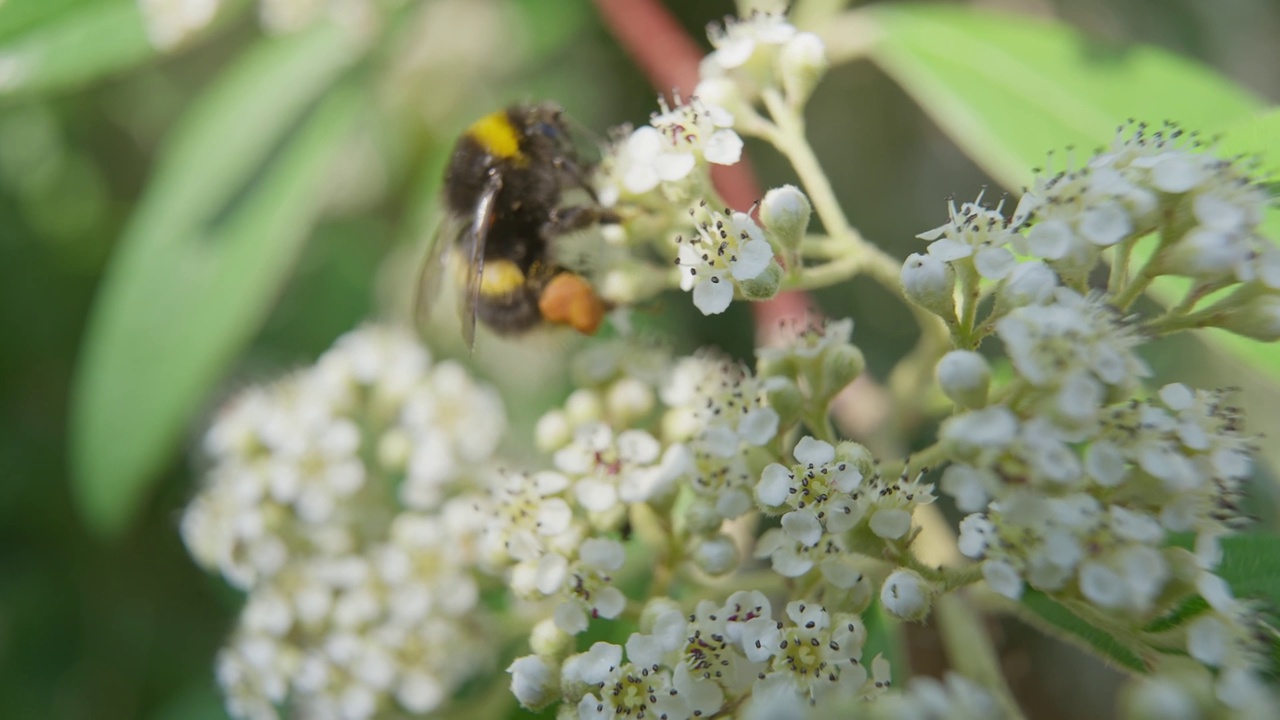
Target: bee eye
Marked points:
546	128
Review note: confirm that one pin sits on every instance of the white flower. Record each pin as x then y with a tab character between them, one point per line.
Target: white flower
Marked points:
727	248
980	432
719	408
817	490
1029	283
975	532
623	690
628	467
1081	211
1075	345
974	231
1002	578
738	40
815	653
648	158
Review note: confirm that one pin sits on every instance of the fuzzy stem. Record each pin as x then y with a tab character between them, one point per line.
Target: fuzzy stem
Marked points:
971	652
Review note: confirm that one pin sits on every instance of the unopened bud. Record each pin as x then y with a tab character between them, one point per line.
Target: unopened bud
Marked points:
548	639
765	285
702	518
906	595
801	64
534	681
1258	319
930	283
784	396
552	431
655	608
716	555
965	377
785	212
583	406
628	400
841	365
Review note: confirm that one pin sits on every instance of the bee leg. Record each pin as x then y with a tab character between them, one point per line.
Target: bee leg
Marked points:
576	217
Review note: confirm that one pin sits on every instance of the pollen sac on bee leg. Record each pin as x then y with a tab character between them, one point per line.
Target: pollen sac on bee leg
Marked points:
570	300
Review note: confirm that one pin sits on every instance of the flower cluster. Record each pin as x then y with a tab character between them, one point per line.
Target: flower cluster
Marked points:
708	509
1080	486
694	665
333	501
653	172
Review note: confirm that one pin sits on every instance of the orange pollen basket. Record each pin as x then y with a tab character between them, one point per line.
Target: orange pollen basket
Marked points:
569	300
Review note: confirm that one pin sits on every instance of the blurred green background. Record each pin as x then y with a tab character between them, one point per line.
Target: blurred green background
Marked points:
121	624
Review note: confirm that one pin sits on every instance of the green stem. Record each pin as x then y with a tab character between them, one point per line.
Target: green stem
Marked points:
971	652
1120	257
969	296
1135	287
1170	323
787	135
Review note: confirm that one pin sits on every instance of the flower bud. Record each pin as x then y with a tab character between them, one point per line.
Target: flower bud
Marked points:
701	517
785	212
583	406
534	681
716	555
1258	319
552	431
965	377
801	64
548	640
628	400
655	608
906	595
763	286
785	398
930	283
394	449
841	365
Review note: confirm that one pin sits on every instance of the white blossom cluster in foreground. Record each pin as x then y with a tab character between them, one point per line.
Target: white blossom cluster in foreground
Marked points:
694	537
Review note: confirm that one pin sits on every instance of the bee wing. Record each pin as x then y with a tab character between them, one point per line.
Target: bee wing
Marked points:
473	247
432	272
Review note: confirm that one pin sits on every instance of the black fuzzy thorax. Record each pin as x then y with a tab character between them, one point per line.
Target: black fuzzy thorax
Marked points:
532	184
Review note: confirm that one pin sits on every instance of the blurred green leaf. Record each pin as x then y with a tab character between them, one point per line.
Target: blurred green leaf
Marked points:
1251	565
1058	616
1008	90
212	241
50	45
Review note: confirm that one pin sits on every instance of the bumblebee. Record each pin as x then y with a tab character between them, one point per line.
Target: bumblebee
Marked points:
504	197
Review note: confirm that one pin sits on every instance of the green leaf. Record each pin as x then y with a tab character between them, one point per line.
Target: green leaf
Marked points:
212	241
52	45
884	637
1059	617
1251	565
1008	90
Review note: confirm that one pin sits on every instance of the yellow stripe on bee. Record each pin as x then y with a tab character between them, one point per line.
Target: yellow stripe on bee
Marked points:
501	277
497	136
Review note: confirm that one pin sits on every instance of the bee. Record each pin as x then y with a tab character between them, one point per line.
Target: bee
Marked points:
505	208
